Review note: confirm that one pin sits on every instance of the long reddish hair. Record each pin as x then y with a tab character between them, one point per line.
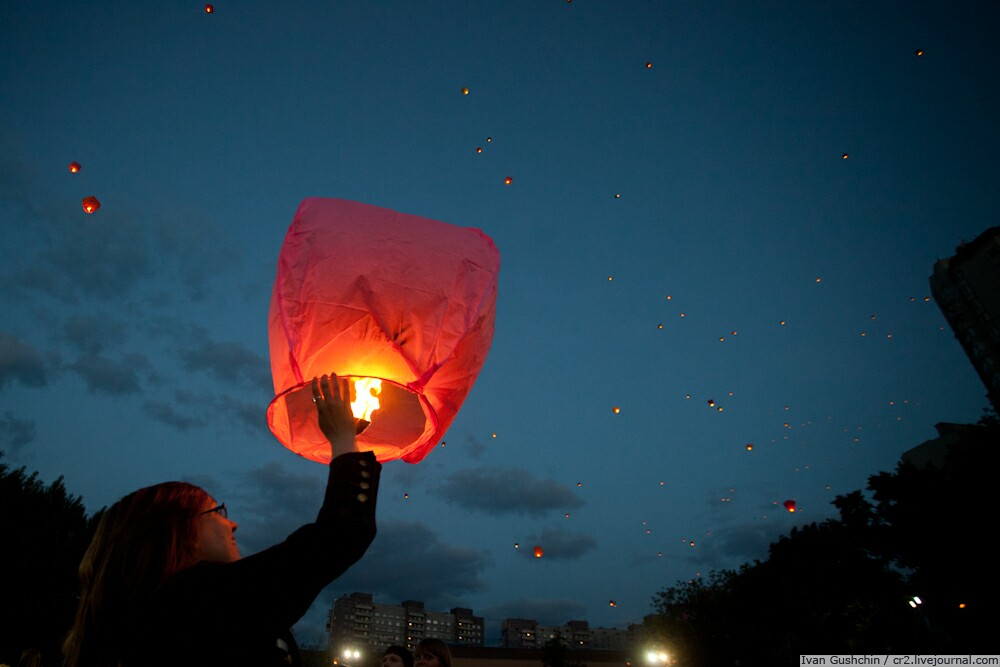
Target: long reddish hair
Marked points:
140	542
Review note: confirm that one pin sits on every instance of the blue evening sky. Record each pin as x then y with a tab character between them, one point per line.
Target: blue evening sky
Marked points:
706	192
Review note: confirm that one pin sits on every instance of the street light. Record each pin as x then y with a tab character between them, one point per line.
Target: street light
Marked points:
657	657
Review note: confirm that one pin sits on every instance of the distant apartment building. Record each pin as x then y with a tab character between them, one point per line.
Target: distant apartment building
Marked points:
577	635
966	287
357	623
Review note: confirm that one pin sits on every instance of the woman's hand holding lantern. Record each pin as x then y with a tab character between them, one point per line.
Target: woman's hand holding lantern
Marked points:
332	396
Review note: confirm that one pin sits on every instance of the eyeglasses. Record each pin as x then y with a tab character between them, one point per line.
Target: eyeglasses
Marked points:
220	509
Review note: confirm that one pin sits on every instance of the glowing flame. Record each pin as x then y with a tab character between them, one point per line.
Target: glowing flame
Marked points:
366	401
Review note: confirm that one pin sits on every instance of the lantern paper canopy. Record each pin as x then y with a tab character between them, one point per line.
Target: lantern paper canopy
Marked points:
90	204
366	292
789	505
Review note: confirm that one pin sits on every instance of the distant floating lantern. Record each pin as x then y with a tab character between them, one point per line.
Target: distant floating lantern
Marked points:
74	167
516	545
369	293
489	139
209	9
659	326
649	65
508	180
406	496
479	149
711	403
538	552
616	410
919	52
845	156
612	603
618	195
90	204
749	447
465	91
789	505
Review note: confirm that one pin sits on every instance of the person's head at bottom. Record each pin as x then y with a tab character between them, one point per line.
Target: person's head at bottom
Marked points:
397	656
432	652
140	543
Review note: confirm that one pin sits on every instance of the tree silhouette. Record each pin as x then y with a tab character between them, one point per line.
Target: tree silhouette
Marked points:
45	534
843	585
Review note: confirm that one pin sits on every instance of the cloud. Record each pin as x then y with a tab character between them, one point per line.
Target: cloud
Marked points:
20	361
544	610
92	333
111	254
111	376
732	546
406	561
225	360
171	416
559	544
507	490
16	433
200	408
271	502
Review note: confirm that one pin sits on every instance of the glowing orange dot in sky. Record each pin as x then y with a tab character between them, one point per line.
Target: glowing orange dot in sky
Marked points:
74	167
508	180
649	65
465	91
845	156
90	204
616	410
920	52
479	149
538	552
209	9
789	505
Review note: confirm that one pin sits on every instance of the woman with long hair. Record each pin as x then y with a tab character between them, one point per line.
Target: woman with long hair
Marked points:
162	582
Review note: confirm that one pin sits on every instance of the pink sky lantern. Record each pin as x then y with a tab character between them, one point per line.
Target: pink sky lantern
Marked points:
401	304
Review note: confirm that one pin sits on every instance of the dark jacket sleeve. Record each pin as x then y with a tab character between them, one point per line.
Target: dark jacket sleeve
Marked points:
275	587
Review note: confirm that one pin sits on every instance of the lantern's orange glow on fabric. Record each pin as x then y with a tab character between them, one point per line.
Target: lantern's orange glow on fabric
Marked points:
616	410
845	156
749	447
920	52
368	293
789	505
74	167
209	9
538	552
465	91
508	180
90	204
